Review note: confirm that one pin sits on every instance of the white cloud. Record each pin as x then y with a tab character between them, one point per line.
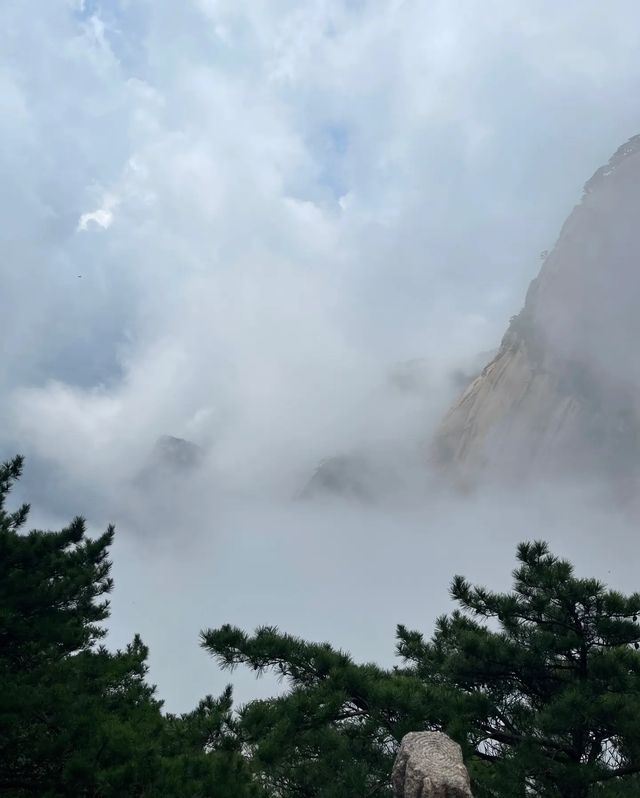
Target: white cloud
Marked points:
101	217
321	191
295	195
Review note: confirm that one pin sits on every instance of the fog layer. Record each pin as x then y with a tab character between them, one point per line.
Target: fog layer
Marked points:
229	222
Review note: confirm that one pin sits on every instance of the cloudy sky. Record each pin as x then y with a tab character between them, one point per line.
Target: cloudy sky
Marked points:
225	219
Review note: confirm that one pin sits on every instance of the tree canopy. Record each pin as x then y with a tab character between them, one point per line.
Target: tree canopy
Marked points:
76	719
540	686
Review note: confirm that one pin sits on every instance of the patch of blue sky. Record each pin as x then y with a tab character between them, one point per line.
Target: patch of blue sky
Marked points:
331	147
122	25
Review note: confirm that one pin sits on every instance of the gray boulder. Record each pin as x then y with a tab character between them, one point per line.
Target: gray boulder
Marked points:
429	765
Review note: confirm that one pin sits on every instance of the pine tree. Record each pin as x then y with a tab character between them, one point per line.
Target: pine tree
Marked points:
541	686
75	718
334	733
201	754
553	693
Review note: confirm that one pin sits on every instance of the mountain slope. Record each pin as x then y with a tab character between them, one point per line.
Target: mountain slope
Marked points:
562	394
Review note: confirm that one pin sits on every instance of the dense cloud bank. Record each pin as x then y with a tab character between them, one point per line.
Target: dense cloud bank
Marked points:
228	222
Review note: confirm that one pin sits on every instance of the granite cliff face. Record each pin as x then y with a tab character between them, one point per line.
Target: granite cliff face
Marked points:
562	395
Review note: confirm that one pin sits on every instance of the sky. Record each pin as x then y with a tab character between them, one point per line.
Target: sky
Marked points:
227	220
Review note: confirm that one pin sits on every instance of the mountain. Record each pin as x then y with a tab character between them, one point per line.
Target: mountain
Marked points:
348	476
561	396
176	453
394	437
375	458
170	457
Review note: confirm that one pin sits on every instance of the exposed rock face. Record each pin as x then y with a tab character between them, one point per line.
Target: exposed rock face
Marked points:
429	765
563	392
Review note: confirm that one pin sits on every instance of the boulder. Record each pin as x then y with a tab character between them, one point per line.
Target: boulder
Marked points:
429	765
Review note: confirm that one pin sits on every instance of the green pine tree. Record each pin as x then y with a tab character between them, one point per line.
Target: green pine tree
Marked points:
541	686
551	688
76	719
334	733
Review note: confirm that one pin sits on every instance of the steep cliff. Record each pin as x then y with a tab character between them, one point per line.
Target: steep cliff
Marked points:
562	394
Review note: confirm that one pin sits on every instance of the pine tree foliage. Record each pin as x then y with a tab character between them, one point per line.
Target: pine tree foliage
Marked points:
554	692
76	719
540	685
334	733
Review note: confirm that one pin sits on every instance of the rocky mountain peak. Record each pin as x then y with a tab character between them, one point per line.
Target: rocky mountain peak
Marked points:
562	392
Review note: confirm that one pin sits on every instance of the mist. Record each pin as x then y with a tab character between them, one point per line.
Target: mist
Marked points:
288	234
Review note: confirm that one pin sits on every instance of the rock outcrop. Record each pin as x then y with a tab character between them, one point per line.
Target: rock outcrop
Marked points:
374	464
429	765
347	476
170	458
562	395
176	453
